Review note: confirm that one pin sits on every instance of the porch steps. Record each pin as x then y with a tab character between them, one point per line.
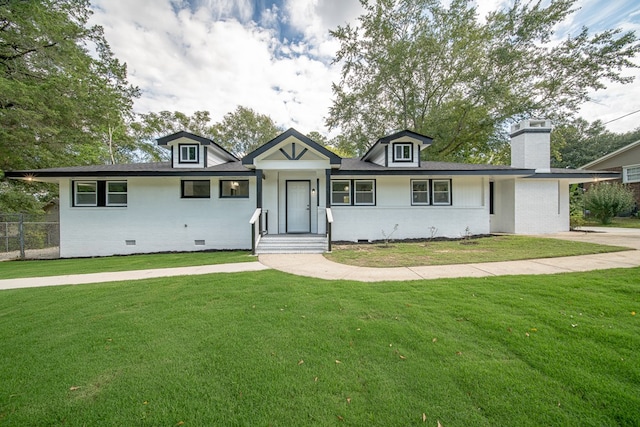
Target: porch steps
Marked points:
292	244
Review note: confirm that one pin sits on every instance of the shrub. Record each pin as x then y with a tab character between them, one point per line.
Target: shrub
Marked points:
606	200
576	206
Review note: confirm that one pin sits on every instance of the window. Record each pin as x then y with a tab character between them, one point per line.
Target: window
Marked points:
441	192
420	192
196	189
116	193
402	152
365	192
100	193
86	193
239	189
631	174
188	153
340	192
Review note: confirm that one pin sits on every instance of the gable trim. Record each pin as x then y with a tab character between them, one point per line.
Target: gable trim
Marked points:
334	159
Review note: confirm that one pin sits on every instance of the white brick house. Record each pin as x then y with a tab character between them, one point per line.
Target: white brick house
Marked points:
205	198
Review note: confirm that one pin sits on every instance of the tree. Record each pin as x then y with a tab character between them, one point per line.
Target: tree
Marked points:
64	98
606	200
440	71
152	125
244	130
579	142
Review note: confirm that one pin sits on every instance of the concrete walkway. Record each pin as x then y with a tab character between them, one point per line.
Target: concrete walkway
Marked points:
76	279
318	266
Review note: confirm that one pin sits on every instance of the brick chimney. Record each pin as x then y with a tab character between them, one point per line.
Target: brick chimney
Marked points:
531	145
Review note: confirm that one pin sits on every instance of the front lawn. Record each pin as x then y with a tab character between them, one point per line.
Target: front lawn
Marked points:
57	267
267	348
485	249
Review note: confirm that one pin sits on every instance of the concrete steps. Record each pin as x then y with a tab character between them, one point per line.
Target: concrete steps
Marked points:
292	244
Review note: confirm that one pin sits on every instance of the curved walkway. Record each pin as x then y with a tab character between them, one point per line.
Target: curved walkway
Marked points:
320	267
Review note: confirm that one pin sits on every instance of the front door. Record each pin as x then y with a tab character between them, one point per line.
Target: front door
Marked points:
298	207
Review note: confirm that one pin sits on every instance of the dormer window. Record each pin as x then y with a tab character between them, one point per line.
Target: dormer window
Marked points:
403	152
188	153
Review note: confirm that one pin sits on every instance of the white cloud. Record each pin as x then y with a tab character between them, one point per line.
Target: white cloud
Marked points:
210	55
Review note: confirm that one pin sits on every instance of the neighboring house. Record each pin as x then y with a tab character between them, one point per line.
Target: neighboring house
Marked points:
205	198
625	161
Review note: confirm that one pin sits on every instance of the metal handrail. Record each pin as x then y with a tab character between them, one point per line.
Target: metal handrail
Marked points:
329	222
252	222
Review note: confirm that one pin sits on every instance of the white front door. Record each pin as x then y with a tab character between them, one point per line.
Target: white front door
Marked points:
298	205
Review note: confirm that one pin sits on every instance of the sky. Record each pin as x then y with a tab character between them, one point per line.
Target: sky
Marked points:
276	56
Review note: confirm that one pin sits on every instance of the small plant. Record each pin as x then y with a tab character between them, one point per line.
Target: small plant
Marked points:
387	237
466	236
432	234
606	200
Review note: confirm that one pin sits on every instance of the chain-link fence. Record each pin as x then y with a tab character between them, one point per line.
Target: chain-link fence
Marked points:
29	236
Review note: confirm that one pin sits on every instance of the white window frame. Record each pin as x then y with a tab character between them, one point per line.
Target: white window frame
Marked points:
109	193
344	184
433	192
401	146
635	169
413	202
76	192
356	192
185	155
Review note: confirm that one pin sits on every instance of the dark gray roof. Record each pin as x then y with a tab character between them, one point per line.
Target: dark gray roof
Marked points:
352	166
134	169
575	173
355	166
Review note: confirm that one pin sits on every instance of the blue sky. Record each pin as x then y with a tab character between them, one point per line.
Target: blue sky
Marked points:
275	56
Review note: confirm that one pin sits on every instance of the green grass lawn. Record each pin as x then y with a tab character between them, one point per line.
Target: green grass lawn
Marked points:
628	222
485	249
57	267
267	348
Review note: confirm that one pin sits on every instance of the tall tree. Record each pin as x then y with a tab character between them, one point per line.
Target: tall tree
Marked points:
59	104
439	70
244	130
579	142
64	98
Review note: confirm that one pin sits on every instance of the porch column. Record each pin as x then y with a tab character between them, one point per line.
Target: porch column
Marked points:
259	196
258	188
327	174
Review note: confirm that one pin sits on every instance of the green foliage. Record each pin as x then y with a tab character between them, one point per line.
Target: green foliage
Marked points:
239	131
59	104
439	70
24	197
578	142
605	200
576	206
268	348
244	130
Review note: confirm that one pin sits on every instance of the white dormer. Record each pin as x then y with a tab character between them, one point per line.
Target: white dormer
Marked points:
400	150
193	151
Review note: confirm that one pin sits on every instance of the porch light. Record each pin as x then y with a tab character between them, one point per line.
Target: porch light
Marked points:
235	185
313	191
